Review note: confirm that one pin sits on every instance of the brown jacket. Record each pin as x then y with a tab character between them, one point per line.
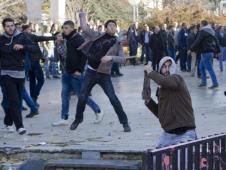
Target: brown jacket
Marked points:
116	51
174	108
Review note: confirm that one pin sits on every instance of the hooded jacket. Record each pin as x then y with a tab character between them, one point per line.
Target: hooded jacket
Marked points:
11	59
206	41
116	51
174	108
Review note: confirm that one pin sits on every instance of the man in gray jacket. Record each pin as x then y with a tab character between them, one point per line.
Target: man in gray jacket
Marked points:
102	51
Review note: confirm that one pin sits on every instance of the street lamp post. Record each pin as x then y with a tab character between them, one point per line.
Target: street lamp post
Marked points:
134	3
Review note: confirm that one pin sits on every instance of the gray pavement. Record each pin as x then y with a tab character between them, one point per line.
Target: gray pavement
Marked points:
209	106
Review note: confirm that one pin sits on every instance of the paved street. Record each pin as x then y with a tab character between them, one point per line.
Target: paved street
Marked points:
209	106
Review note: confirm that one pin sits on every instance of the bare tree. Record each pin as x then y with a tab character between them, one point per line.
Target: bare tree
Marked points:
12	8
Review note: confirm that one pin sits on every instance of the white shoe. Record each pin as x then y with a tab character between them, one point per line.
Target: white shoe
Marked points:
21	131
10	129
62	122
99	117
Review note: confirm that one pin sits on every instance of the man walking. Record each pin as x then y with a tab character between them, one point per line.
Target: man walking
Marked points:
174	109
13	45
73	67
102	52
207	44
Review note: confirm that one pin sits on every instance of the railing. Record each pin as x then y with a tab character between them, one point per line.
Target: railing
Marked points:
202	154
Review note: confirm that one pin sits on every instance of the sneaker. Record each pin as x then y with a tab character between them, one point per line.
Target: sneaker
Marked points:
10	129
99	117
75	124
61	122
32	114
21	131
214	86
126	128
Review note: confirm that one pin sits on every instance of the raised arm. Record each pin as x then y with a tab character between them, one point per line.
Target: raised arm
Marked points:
85	28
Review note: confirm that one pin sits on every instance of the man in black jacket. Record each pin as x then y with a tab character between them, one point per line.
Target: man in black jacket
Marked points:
221	35
157	47
207	44
13	45
72	77
36	75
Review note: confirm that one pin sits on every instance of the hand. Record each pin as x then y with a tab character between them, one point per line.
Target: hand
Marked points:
106	59
189	52
148	68
77	73
18	47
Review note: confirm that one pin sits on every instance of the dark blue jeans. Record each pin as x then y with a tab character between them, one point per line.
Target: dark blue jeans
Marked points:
91	79
172	52
146	50
206	64
69	83
183	59
36	78
29	101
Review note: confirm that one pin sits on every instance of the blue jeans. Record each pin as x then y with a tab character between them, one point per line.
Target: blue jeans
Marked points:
172	52
222	58
167	139
206	64
183	59
36	78
69	83
146	50
29	101
104	80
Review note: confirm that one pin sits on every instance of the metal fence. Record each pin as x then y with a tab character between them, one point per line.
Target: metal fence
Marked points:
202	154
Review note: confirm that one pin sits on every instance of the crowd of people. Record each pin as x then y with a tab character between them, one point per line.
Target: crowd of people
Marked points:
88	56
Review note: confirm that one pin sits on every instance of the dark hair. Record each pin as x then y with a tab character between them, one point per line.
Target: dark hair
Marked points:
24	27
7	20
183	24
18	23
109	21
70	23
55	34
204	22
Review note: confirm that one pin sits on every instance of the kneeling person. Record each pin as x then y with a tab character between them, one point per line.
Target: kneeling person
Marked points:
174	109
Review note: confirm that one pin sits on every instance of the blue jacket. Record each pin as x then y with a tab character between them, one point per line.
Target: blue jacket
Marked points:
182	39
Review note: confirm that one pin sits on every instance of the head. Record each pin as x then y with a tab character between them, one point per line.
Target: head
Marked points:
68	27
8	26
146	27
184	26
204	23
164	27
221	29
27	28
110	27
18	26
59	37
156	29
167	66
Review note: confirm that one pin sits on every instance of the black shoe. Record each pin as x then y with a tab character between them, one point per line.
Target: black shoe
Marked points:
225	93
75	124
213	87
202	85
32	114
119	74
126	128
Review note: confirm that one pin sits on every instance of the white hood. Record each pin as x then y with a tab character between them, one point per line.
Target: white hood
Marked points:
173	68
